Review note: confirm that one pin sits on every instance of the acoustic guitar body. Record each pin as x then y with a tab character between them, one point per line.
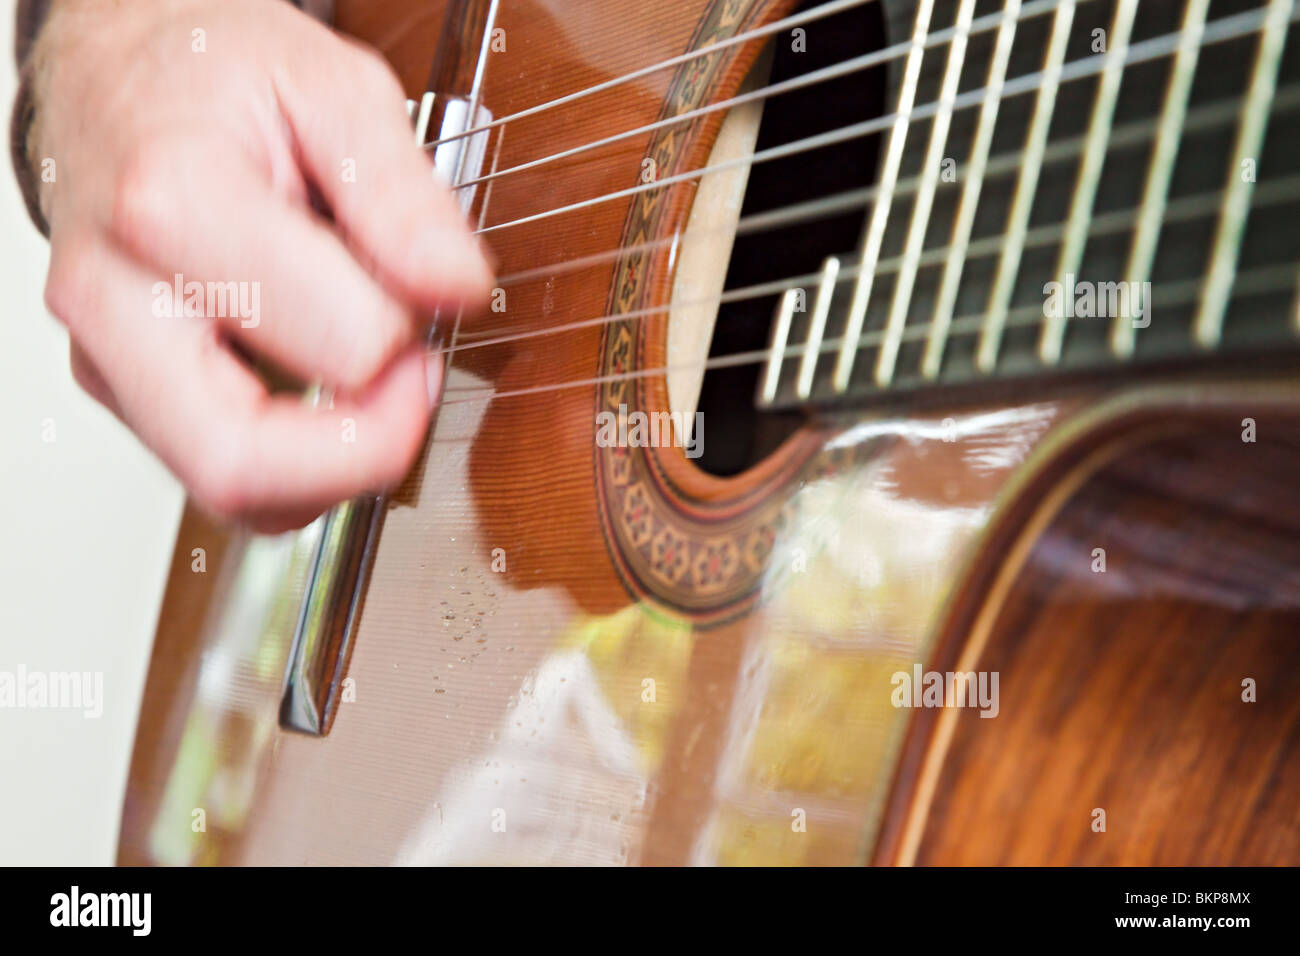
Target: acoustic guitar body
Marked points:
571	651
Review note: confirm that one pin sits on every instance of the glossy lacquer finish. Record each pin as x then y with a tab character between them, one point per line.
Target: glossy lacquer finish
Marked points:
572	654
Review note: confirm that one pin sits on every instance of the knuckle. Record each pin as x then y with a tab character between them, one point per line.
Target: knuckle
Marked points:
69	291
377	77
139	207
61	296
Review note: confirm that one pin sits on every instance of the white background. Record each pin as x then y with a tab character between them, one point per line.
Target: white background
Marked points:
86	529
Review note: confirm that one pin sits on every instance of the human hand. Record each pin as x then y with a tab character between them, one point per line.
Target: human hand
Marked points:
198	154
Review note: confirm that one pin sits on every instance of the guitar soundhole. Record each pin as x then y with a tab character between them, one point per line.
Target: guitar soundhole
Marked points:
739	434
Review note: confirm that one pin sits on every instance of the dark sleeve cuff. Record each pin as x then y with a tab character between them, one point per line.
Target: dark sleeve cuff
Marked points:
30	19
19	125
31	14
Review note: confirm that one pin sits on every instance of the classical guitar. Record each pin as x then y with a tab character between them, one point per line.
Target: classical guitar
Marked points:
882	446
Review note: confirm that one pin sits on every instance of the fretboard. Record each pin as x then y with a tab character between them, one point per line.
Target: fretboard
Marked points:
1074	187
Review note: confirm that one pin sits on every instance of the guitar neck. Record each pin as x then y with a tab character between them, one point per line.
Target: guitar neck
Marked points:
1062	190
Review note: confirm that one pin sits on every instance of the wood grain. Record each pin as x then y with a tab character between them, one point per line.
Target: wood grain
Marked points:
1123	690
502	712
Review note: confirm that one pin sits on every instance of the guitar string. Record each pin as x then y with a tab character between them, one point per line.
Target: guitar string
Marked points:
776	26
1198	205
1226	28
833	71
1259	281
963	224
1022	203
1125	135
467	201
1221	30
919	225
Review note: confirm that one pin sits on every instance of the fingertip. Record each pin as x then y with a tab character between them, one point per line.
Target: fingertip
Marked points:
398	406
446	266
433	376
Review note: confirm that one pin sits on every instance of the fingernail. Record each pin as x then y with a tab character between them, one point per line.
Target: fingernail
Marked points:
433	376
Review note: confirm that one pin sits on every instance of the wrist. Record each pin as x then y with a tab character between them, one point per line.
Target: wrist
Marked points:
36	22
29	25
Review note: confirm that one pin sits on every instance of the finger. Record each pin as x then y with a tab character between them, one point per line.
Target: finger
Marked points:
240	451
88	377
278	522
276	275
380	185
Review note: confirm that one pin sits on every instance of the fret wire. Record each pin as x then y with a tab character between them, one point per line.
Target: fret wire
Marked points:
1208	326
1164	153
1128	134
875	234
1225	28
1184	208
972	185
1265	279
1085	190
1026	187
780	337
821	309
906	281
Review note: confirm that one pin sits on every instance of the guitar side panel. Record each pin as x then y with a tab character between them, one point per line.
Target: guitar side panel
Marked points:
1139	602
